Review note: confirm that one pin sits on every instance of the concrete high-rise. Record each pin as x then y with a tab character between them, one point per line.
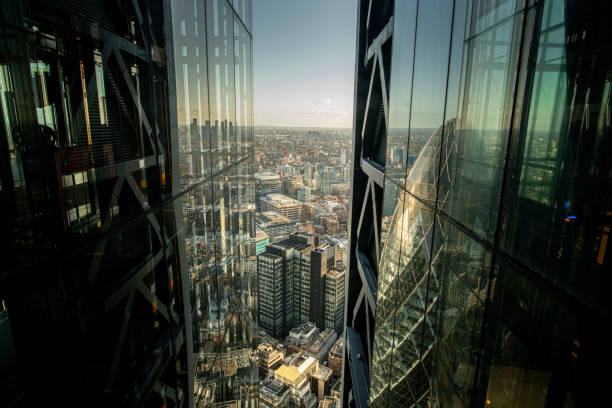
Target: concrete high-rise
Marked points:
478	257
334	300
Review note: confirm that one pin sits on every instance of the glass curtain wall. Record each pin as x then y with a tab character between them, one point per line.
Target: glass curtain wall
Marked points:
126	137
214	115
93	282
491	285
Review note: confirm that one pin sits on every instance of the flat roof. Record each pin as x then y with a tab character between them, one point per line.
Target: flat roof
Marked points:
271	216
288	373
269	255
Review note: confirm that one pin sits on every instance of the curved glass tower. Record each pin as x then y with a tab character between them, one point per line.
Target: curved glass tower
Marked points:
481	204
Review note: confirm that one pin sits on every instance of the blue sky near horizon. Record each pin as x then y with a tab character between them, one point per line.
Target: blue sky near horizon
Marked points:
304	62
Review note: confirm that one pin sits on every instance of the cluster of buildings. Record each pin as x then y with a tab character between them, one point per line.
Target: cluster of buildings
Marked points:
300	180
300	279
296	373
301	196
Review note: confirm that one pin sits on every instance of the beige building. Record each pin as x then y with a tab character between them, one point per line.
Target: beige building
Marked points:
281	204
270	358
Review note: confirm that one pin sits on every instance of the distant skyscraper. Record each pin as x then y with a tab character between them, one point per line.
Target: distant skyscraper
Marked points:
308	172
326	182
478	267
346	175
343	157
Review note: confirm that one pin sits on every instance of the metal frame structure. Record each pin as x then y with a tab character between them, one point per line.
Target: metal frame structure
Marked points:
371	113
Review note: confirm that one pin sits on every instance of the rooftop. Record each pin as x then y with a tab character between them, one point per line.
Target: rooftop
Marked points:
269	255
335	272
259	234
289	374
296	241
338	348
329	402
281	200
272	389
267	176
268	217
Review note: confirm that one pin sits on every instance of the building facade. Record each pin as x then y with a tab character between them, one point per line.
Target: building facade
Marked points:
477	260
126	145
335	285
291	288
276	226
322	260
283	205
271	283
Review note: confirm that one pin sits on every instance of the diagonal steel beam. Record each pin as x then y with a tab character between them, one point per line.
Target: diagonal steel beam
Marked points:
120	342
146	207
99	252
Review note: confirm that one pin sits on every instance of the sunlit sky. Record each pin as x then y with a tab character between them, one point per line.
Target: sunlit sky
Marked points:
304	62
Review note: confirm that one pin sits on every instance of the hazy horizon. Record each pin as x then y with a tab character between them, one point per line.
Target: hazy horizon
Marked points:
303	63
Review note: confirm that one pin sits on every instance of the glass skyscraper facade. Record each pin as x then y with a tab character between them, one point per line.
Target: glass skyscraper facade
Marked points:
478	266
126	143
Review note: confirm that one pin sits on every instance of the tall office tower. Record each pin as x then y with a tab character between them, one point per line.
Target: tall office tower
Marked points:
334	300
346	174
322	259
272	286
295	251
111	205
308	172
490	286
285	293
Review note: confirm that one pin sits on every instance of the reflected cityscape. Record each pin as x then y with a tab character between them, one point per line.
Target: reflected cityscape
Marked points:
162	247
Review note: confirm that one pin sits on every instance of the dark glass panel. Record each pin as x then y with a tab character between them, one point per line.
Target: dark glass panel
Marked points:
475	165
400	94
428	97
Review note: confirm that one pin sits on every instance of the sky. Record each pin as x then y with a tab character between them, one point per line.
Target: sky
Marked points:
304	62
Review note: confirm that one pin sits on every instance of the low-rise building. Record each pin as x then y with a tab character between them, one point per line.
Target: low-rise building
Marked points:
299	385
281	204
273	394
270	358
335	358
277	226
307	338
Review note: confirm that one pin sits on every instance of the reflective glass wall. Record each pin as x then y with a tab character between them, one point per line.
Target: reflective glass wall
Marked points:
492	285
93	281
125	184
212	44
